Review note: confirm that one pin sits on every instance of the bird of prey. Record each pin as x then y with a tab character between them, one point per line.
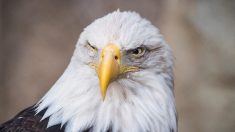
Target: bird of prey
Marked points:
120	79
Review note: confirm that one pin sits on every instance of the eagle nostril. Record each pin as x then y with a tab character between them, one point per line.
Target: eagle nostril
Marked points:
116	57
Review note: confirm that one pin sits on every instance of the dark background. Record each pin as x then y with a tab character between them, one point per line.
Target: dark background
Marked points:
38	39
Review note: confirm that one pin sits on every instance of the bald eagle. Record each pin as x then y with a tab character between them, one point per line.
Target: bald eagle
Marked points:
120	79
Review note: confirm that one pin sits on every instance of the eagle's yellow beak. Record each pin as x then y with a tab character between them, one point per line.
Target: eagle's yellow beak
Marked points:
109	66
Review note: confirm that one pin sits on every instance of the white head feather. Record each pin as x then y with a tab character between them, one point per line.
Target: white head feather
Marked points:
140	101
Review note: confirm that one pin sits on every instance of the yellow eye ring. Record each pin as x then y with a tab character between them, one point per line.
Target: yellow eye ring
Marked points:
138	52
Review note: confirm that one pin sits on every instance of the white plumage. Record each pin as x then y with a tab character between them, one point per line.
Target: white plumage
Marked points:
137	101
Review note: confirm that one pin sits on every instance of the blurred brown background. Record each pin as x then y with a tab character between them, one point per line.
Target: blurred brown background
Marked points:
38	39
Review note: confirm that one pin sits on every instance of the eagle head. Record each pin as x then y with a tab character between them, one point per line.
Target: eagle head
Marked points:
120	78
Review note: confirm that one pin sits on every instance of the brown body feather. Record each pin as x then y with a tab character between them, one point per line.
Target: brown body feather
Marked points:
27	121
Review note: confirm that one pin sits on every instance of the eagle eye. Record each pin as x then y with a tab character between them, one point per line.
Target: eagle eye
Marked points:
138	52
91	49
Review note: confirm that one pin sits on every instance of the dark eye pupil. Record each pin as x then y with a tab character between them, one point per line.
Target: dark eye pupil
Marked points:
136	51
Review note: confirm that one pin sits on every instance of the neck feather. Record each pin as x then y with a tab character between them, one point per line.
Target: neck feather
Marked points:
132	104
